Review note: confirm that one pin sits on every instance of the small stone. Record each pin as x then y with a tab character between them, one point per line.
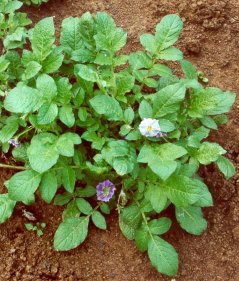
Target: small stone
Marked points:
235	233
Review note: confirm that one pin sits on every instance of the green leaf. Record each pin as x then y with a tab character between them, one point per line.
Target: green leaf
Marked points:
47	113
82	114
84	206
43	37
121	166
142	238
10	6
88	191
188	69
209	152
140	60
194	140
160	70
163	256
85	55
226	167
149	42
161	158
67	116
105	208
105	24
108	37
70	35
87	73
71	233
129	220
62	199
23	99
65	145
182	191
47	87
205	199
42	152
172	54
168	31
6	207
71	211
53	61
107	106
160	226
191	219
29	226
15	39
145	110
22	185
157	197
166	125
168	100
129	115
87	30
9	129
48	186
209	122
68	179
99	220
32	69
162	168
210	101
124	83
134	135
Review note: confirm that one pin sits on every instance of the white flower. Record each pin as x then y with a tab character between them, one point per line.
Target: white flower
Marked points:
149	127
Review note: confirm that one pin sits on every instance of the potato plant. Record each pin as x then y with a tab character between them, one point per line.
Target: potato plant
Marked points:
95	130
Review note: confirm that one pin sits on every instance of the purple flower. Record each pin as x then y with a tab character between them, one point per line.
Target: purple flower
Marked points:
105	190
14	142
161	134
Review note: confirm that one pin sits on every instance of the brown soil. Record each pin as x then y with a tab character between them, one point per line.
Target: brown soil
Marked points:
211	41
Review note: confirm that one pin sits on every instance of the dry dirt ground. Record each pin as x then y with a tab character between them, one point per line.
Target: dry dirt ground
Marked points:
211	41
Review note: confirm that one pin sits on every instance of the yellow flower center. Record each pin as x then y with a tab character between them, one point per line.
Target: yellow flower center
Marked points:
149	128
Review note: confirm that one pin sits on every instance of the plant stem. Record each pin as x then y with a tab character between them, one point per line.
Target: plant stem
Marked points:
24	168
24	132
143	215
12	167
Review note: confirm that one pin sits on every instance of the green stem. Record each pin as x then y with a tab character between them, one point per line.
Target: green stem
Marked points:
12	167
24	132
25	168
143	215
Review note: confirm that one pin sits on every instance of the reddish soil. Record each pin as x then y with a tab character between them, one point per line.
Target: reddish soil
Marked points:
211	41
